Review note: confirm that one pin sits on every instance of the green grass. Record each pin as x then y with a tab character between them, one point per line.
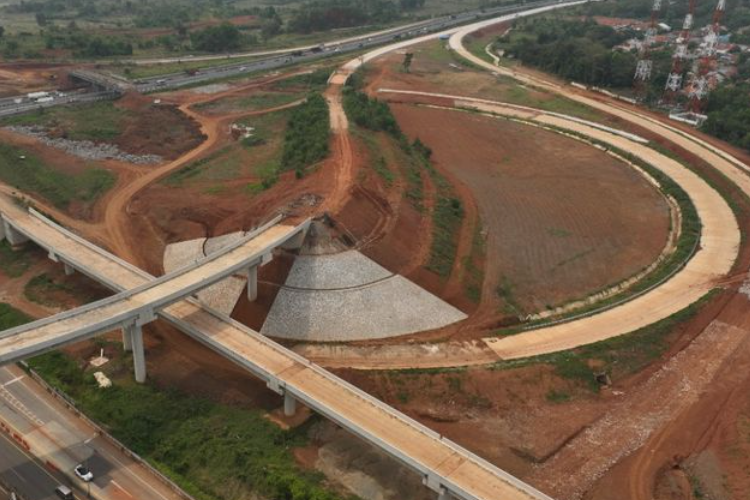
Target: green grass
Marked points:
315	81
230	162
258	101
473	269
10	317
447	218
556	397
505	290
377	160
211	450
135	72
100	121
42	289
517	94
31	174
13	264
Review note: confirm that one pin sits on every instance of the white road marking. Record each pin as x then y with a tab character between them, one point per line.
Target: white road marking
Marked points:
29	455
6	384
117	485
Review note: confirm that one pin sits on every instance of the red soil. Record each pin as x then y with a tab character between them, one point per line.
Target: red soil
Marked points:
558	230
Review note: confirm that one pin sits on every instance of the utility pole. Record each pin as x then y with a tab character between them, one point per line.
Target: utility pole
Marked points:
674	80
645	65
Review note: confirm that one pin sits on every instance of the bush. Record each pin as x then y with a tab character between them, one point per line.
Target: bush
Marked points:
307	136
370	113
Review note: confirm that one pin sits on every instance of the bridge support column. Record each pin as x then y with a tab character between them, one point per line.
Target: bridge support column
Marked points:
15	238
444	495
68	269
127	339
252	283
134	342
295	241
290	405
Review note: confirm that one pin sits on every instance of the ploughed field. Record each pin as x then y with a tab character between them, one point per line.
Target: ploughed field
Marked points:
562	219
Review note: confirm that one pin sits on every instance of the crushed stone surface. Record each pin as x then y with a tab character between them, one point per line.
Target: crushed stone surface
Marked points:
86	150
222	296
377	304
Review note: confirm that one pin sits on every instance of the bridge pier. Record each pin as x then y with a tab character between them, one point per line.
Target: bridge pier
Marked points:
252	283
444	495
295	241
290	405
68	269
10	233
127	342
133	341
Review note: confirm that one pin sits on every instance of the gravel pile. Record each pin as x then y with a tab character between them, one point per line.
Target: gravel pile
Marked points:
87	150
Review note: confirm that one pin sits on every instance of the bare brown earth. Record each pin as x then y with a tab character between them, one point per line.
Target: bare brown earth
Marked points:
508	416
25	77
562	219
156	129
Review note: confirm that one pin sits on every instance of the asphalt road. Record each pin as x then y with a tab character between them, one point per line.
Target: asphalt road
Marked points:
19	472
56	435
289	57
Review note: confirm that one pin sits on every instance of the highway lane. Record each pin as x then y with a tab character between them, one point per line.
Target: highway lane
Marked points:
279	59
21	473
56	435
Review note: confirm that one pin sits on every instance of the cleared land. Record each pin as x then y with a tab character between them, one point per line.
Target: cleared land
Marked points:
252	102
133	123
557	229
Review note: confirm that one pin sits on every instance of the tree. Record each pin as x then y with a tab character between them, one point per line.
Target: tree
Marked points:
41	19
270	27
2	31
408	57
222	38
411	4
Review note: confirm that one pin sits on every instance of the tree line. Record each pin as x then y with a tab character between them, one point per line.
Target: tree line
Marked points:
307	137
575	50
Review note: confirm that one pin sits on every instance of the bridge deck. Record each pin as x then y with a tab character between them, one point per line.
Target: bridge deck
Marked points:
145	300
425	451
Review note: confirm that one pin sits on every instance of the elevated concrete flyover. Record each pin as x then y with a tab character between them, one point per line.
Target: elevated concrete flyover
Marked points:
138	305
101	80
446	468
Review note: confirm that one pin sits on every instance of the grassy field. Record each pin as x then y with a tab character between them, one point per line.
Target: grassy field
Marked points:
100	121
48	291
212	451
27	172
11	317
619	356
254	102
13	264
258	158
136	71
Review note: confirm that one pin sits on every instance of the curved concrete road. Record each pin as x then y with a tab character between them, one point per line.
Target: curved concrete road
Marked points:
674	295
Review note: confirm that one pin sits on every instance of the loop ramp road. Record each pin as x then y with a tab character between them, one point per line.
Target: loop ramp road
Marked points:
719	242
445	467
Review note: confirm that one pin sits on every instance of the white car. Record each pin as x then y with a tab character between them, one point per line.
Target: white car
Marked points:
83	473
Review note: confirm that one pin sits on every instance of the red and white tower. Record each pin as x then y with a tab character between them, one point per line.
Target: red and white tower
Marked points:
645	65
700	84
674	80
